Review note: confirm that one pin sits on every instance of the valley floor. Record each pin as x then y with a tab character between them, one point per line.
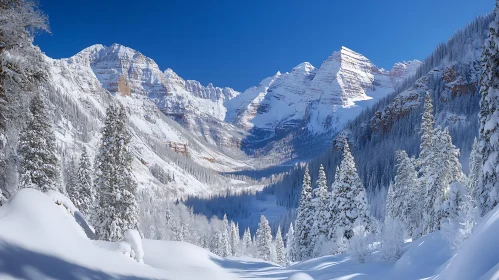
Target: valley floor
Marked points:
41	240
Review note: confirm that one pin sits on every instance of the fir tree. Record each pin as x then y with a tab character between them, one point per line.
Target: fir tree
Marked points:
304	220
474	175
332	223
352	201
117	208
290	244
279	244
489	119
39	167
234	241
264	239
320	228
225	250
82	192
247	243
404	195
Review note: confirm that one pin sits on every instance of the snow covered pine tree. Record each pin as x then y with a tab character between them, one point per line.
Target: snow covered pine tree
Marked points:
82	193
117	208
304	220
489	119
39	166
264	239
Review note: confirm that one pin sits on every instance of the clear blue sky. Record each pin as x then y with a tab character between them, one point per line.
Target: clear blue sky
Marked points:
237	43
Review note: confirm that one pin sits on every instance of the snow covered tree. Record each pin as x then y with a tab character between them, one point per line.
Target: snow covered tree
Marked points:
247	243
82	194
392	239
332	222
234	240
70	174
279	247
320	228
489	119
19	21
474	175
427	132
440	172
117	208
264	239
39	167
225	249
351	196
248	249
359	242
304	220
290	244
404	194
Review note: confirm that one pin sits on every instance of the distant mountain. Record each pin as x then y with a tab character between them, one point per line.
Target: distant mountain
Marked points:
317	98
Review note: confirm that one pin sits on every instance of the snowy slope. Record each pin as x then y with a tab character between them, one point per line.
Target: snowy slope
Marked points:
40	239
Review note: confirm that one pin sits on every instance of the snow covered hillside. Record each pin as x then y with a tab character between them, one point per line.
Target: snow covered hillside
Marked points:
40	239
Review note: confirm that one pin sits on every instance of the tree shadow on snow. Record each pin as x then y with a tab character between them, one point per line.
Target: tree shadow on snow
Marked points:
21	263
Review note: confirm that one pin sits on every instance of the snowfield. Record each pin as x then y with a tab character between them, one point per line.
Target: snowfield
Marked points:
40	239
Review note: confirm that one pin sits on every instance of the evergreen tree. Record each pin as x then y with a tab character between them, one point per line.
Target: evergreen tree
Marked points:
427	132
279	244
474	175
234	241
304	220
290	244
82	192
404	194
352	205
320	228
71	178
489	124
247	243
264	239
334	201
117	208
39	167
225	250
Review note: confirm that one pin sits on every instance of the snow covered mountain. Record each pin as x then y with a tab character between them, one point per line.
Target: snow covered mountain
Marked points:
317	97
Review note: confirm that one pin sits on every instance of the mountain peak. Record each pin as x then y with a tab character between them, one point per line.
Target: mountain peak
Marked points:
304	67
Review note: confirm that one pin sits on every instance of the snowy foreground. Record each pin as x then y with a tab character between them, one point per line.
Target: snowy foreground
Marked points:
41	240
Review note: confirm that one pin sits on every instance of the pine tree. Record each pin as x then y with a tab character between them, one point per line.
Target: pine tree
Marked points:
247	243
352	201
474	176
404	195
427	131
441	171
264	239
320	228
489	124
225	249
290	244
83	194
234	241
117	208
332	223
39	167
279	244
304	220
71	179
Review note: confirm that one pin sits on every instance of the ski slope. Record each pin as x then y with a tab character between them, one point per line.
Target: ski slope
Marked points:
41	240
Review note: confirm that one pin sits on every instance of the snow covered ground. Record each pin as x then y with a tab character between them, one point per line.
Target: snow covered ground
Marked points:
41	240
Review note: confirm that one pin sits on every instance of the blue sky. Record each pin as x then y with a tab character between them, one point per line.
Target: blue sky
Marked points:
237	43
